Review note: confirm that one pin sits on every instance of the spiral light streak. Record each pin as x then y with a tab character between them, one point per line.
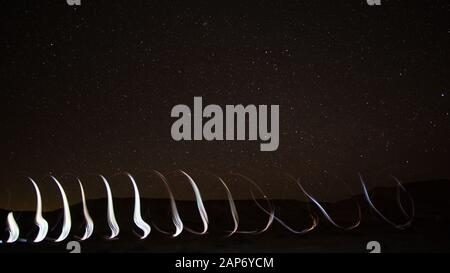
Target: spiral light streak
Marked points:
369	200
314	223
271	213
13	228
233	209
175	215
401	188
200	206
112	222
137	216
67	224
325	213
89	229
39	219
262	201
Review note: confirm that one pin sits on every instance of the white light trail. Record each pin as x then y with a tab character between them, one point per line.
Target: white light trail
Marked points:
325	213
89	229
399	186
13	228
112	222
137	216
233	209
38	219
200	206
173	205
67	224
271	211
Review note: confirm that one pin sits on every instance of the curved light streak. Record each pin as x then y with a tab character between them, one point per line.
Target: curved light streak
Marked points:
43	226
325	213
112	222
233	209
200	205
67	224
89	229
176	219
400	186
137	215
13	228
38	219
271	213
314	224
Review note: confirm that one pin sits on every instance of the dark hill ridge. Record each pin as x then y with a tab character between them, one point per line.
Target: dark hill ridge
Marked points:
429	231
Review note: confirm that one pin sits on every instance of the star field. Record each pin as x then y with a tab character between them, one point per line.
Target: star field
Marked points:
360	88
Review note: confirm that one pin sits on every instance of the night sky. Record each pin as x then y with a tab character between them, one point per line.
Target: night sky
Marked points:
360	88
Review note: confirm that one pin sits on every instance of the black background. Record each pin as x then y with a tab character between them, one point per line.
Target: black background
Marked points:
361	88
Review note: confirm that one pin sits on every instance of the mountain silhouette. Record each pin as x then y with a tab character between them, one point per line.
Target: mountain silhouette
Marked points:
428	232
